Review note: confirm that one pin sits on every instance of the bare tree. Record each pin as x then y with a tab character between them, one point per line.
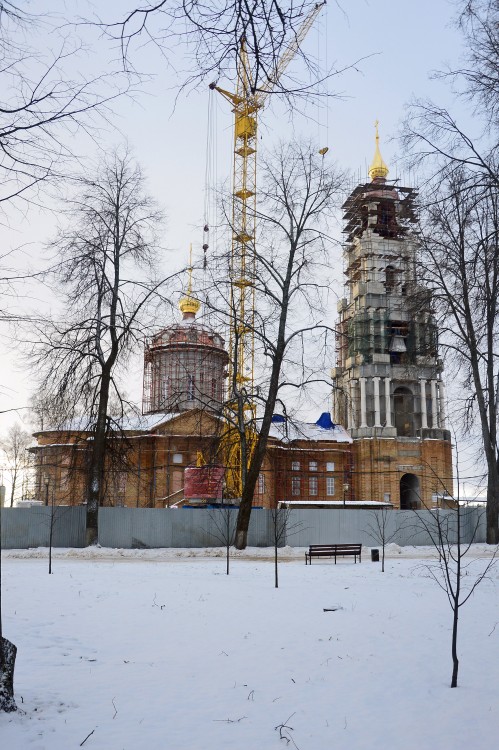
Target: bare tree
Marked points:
455	571
479	21
14	447
381	529
452	527
57	513
279	517
209	35
223	519
282	528
43	108
47	100
460	265
460	256
107	278
298	194
433	135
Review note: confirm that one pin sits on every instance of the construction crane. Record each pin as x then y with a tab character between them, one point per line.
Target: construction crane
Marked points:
247	102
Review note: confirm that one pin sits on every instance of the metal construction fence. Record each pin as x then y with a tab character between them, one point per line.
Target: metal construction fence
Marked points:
143	528
30	527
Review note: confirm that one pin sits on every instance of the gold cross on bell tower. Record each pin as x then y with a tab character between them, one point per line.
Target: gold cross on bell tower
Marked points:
378	169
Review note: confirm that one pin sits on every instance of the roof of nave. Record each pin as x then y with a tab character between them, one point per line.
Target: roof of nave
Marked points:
142	423
284	430
290	431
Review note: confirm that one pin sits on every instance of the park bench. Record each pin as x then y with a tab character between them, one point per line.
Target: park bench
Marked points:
333	550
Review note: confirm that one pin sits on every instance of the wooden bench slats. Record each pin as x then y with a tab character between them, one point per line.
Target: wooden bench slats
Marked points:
333	550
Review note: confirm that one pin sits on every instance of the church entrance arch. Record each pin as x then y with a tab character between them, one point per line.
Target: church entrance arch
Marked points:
410	497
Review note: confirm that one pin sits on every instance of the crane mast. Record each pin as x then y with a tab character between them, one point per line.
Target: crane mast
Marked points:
242	261
246	102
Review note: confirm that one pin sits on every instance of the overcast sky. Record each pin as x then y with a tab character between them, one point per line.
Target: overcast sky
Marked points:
395	47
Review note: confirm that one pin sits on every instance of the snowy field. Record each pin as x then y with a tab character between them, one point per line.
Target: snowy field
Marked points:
159	649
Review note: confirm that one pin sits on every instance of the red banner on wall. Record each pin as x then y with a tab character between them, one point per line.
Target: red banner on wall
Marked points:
205	482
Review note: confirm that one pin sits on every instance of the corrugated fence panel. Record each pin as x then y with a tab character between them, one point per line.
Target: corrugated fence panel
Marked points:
134	528
328	527
141	528
260	529
404	528
30	527
137	528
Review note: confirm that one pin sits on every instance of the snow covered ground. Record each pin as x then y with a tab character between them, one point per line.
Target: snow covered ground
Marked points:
166	651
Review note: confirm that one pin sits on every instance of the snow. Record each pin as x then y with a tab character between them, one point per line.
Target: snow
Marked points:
335	503
149	649
286	433
139	422
295	430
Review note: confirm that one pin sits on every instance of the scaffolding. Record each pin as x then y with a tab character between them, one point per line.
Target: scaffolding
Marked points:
373	200
184	368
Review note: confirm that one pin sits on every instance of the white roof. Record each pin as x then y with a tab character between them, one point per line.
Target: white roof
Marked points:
147	421
289	431
143	422
285	432
336	503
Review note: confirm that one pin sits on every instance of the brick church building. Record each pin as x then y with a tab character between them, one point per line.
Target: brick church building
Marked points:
386	443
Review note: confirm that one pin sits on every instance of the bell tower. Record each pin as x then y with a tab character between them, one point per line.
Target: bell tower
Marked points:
388	387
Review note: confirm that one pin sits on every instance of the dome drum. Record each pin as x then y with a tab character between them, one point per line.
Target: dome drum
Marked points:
184	368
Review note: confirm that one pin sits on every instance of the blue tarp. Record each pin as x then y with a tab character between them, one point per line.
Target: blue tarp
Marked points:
325	421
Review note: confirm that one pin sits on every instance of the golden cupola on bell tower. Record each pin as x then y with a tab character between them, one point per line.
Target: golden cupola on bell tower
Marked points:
378	169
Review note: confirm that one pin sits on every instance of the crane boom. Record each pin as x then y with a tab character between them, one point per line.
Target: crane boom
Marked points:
289	53
246	103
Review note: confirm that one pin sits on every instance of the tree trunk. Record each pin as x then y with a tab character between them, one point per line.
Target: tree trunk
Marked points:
492	509
13	489
244	514
243	519
7	662
455	660
276	576
227	531
51	535
97	461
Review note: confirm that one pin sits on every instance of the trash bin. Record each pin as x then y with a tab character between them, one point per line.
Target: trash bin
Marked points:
375	555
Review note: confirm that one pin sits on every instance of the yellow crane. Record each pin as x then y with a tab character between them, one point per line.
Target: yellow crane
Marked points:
247	102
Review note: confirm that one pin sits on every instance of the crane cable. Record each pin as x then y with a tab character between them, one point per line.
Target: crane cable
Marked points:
323	88
208	180
210	208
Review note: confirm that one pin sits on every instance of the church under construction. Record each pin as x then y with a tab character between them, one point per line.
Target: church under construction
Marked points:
386	443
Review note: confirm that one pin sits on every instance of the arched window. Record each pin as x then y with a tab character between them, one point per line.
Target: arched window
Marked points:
386	224
403	406
390	278
165	391
409	492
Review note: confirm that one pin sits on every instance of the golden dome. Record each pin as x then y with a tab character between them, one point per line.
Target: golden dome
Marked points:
188	305
378	169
